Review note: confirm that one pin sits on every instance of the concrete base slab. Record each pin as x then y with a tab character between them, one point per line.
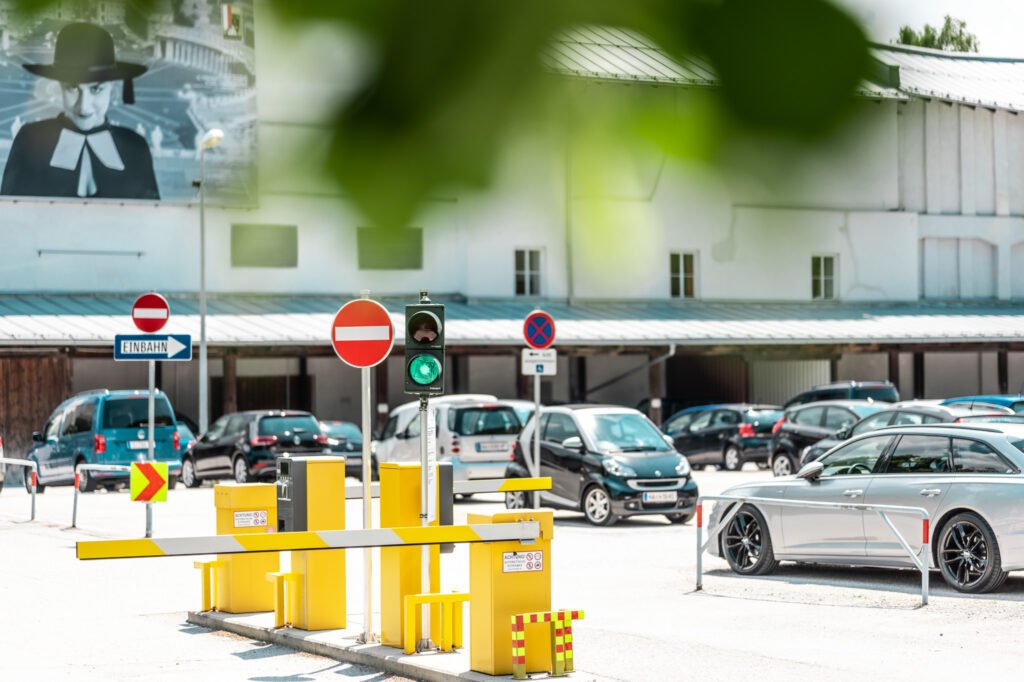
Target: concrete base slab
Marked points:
342	645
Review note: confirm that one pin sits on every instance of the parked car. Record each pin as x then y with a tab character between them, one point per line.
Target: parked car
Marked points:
968	479
883	391
245	445
805	425
104	427
608	462
346	439
523	408
917	414
477	434
991	419
727	435
1013	402
186	436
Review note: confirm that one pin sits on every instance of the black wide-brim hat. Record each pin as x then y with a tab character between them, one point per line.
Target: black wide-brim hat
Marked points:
85	54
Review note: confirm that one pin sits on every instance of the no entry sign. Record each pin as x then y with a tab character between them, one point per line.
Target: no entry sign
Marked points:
150	312
362	333
539	330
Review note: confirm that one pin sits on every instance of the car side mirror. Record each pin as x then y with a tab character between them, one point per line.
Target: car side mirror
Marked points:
811	471
844	433
668	439
573	443
37	437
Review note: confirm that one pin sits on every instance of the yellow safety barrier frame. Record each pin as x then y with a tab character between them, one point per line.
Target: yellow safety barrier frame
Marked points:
451	619
208	572
561	640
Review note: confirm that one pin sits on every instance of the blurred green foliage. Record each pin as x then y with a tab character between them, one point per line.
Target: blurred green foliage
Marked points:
453	80
952	37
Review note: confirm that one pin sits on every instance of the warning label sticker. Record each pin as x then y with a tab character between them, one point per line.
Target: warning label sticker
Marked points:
250	519
522	562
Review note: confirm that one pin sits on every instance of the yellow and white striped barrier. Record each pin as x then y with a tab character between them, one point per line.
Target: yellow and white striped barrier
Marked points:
501	485
307	540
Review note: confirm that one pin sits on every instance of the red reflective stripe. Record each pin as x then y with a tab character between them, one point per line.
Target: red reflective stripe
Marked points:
568	646
76	480
519	660
35	479
700	515
924	530
559	649
519	621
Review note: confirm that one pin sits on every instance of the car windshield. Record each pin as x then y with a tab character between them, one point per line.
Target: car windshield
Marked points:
285	426
489	420
133	413
344	430
762	416
623	432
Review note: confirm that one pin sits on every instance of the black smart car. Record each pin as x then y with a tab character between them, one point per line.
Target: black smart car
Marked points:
245	445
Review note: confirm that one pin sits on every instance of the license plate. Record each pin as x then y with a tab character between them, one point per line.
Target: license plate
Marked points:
138	445
491	447
661	497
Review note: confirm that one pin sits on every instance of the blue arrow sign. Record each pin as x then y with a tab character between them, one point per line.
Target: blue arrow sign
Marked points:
152	347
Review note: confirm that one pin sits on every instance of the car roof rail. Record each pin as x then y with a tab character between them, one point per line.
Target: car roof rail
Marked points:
96	391
956	426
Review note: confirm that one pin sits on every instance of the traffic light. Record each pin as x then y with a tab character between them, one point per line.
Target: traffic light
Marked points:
424	347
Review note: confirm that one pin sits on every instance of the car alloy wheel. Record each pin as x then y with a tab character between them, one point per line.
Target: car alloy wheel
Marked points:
969	555
747	545
597	507
733	458
188	473
782	465
515	500
241	470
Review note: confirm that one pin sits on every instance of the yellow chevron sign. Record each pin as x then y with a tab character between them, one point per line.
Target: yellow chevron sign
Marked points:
306	540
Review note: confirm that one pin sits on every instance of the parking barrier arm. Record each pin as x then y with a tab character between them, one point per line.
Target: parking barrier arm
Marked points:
526	532
482	485
921	564
27	463
90	467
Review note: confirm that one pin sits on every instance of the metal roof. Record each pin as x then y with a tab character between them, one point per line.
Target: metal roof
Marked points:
92	320
607	53
994	82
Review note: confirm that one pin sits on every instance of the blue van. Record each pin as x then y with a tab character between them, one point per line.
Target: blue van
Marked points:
104	427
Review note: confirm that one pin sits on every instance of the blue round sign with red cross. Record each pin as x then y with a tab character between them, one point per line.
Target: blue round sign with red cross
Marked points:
539	330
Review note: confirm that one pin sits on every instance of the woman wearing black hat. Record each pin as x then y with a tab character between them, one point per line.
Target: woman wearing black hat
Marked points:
78	153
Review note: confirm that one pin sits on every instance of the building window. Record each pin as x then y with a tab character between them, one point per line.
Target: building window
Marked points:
682	274
527	272
823	270
264	246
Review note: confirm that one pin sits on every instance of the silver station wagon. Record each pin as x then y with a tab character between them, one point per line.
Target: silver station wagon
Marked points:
968	478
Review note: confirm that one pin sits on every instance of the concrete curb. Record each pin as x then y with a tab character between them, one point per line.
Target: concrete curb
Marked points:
376	656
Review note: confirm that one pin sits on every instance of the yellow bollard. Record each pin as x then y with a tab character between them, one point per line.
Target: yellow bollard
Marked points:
245	508
400	566
208	576
451	619
507	579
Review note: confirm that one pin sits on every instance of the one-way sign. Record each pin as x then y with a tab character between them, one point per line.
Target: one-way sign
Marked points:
152	347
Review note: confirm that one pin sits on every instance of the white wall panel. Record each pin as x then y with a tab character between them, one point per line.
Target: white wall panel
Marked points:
776	381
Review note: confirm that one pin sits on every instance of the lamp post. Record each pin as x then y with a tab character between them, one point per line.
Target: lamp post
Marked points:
211	139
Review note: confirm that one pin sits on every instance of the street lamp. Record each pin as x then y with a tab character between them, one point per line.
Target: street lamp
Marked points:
211	139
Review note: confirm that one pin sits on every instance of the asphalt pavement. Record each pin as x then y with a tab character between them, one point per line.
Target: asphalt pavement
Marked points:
122	620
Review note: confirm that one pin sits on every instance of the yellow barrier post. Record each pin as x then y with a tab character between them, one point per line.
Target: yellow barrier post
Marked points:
242	509
560	637
284	598
400	574
451	619
507	579
208	576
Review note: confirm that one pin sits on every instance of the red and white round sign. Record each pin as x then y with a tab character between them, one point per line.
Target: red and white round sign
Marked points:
150	312
362	333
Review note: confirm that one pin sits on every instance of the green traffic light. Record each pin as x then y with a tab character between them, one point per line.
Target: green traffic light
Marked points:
424	369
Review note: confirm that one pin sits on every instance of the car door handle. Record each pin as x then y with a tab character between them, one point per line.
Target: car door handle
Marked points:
931	492
852	493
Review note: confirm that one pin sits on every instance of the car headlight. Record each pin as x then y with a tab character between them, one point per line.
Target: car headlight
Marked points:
683	468
617	468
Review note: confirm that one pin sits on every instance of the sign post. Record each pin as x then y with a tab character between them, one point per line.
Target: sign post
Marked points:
539	334
362	336
150	313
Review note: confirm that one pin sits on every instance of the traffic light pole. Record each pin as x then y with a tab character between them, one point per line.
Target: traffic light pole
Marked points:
424	643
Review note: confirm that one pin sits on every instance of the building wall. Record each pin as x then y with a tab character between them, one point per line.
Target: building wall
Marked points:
776	381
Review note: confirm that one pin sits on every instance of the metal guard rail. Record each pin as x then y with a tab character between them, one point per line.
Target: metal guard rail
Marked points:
35	477
922	563
90	467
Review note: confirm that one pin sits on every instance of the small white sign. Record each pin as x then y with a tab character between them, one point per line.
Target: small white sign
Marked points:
522	562
251	519
540	362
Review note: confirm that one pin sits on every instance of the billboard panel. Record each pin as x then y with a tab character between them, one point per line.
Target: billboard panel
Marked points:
99	100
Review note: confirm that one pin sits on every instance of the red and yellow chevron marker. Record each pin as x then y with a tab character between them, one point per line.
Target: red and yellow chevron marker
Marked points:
149	481
561	640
